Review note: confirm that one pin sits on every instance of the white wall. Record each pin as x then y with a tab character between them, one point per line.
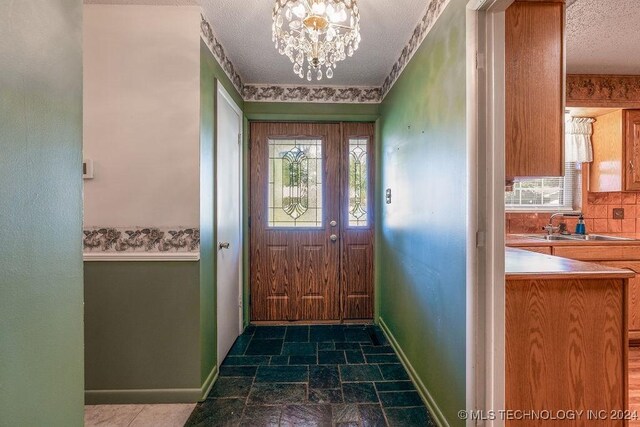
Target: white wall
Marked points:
141	115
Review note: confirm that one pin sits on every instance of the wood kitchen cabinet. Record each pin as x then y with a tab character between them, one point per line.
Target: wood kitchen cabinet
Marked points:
632	149
565	338
616	152
633	297
534	83
619	256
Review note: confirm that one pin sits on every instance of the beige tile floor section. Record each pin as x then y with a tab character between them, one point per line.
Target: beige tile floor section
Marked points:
173	415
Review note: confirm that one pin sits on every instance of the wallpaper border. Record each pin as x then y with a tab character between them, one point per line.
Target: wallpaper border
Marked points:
140	240
324	94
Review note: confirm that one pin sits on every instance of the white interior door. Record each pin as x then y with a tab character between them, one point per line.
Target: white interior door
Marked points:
229	196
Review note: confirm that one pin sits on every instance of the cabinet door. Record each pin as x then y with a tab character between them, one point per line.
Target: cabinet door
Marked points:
633	295
534	83
632	150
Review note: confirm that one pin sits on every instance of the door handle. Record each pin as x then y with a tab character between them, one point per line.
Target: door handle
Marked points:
333	237
223	245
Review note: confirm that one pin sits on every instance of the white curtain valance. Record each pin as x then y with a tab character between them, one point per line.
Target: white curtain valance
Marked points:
578	146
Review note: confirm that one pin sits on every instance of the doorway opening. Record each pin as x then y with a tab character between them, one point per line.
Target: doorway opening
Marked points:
311	222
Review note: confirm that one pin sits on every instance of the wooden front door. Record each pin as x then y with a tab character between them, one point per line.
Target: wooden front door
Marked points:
311	210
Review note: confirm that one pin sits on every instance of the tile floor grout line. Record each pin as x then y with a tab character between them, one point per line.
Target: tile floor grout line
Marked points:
138	414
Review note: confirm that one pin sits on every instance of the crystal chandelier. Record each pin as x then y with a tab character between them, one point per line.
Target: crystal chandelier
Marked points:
320	32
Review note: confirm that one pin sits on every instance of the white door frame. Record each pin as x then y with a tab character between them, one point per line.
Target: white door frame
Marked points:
486	297
222	94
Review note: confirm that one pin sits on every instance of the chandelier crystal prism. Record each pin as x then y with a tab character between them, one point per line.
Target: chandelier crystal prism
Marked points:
316	34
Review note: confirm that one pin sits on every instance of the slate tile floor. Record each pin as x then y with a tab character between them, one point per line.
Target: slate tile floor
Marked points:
330	375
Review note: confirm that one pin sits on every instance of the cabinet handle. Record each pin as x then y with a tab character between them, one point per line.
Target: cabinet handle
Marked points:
631	164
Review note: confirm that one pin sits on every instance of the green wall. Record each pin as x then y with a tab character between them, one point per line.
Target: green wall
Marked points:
142	332
151	326
422	238
41	358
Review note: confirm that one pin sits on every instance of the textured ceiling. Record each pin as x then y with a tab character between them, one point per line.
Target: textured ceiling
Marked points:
244	29
603	37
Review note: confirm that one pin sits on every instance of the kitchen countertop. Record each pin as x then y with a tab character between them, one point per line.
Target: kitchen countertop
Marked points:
515	240
525	265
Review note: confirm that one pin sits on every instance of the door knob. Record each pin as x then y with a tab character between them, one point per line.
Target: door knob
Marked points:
333	237
223	245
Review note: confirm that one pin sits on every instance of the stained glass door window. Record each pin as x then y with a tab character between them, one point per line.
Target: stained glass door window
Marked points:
358	182
295	183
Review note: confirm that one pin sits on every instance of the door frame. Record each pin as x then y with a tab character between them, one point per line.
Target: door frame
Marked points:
223	94
486	292
311	118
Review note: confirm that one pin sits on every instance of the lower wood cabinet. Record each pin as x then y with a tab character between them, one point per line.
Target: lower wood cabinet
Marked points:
633	297
620	256
565	348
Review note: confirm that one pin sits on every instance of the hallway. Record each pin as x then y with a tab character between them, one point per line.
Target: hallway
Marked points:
338	375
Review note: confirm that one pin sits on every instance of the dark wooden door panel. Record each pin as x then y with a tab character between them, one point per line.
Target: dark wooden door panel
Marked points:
358	283
357	236
301	282
319	271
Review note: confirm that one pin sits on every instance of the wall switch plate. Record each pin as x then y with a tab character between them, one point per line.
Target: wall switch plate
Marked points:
388	196
87	169
618	213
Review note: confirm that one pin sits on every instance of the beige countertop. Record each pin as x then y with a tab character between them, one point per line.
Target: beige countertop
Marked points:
526	265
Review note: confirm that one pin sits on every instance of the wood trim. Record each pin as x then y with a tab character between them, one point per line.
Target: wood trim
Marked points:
603	90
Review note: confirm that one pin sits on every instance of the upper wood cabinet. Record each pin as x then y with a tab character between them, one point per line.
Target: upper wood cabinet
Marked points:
632	149
534	76
616	152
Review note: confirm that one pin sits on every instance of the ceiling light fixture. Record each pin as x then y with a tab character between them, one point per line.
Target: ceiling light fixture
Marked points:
320	32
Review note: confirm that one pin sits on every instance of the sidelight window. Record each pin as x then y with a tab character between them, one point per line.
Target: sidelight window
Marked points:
358	182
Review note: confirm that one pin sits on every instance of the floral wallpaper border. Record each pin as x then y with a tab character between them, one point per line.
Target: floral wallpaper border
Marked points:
334	94
326	94
141	239
434	10
218	52
602	89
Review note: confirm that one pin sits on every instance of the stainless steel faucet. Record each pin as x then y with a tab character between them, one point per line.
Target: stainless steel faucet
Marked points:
550	229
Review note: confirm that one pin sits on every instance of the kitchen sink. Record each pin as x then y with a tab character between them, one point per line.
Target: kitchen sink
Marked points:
599	237
552	237
579	237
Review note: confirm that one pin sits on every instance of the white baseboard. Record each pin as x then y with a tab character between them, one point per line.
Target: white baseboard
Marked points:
140	256
422	389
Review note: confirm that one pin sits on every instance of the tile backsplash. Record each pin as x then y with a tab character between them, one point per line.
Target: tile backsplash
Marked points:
598	215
